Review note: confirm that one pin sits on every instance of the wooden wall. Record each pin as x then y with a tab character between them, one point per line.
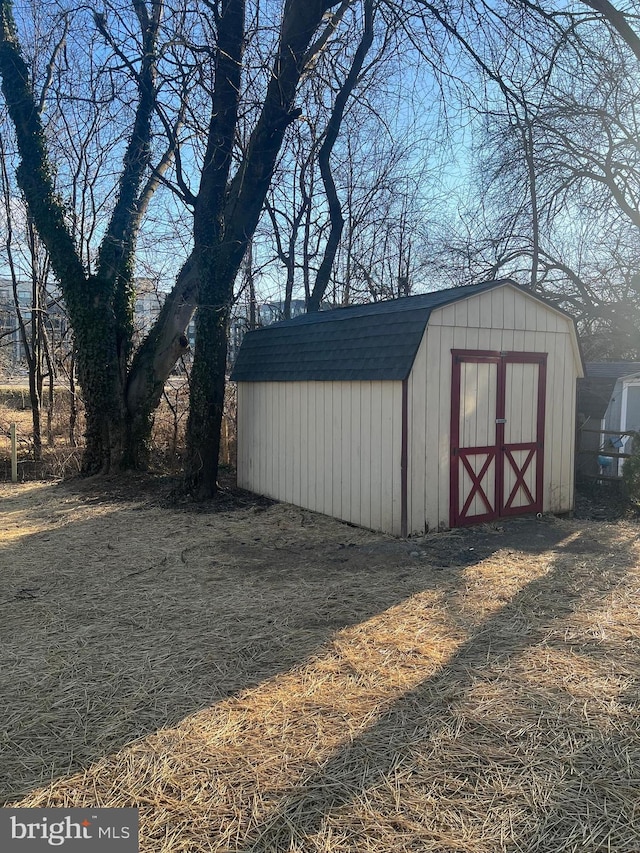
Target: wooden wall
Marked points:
502	319
335	447
332	447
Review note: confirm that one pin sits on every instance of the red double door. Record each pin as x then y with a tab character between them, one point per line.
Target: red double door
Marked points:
497	434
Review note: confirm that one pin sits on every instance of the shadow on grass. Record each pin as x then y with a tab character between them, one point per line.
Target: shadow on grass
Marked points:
498	751
123	620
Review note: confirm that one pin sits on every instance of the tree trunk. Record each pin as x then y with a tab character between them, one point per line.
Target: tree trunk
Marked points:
206	404
100	306
227	212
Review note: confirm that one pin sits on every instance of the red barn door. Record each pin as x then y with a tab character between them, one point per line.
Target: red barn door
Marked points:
497	435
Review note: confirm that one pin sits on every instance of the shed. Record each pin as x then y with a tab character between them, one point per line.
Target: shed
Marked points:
420	413
600	395
622	416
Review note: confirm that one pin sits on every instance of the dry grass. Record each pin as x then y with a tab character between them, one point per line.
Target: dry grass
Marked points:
61	460
264	679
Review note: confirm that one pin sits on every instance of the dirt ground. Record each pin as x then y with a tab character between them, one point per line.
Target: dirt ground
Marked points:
256	677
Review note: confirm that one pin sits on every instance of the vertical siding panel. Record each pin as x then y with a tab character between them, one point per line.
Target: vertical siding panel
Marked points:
279	441
547	319
326	418
472	338
463	313
275	462
410	445
454	339
497	308
313	448
553	428
486	305
556	402
336	449
284	441
256	435
346	439
272	402
318	467
365	467
355	462
418	448
241	437
396	480
292	415
520	306
439	416
565	485
485	336
532	315
275	450
264	396
387	457
473	312
267	467
253	428
444	316
376	456
263	435
314	442
436	352
509	307
507	341
570	424
324	459
303	439
296	417
555	323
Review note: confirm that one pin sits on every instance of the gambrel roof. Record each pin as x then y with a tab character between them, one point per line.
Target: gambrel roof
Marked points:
360	342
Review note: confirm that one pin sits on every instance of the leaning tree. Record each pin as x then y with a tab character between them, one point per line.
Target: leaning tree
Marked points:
219	81
122	387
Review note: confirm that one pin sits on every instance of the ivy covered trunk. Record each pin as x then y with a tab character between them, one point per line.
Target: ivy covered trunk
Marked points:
228	209
206	407
120	390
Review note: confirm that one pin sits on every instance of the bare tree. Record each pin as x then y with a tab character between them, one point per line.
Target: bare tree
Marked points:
98	298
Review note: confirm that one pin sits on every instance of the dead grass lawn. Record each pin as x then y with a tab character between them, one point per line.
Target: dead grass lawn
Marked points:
259	678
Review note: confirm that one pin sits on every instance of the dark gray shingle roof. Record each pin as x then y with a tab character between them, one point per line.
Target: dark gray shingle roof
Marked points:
361	342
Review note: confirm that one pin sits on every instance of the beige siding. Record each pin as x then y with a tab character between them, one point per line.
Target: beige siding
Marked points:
333	447
502	319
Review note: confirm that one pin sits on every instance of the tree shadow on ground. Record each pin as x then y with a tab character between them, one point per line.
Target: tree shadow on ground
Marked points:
126	619
495	753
